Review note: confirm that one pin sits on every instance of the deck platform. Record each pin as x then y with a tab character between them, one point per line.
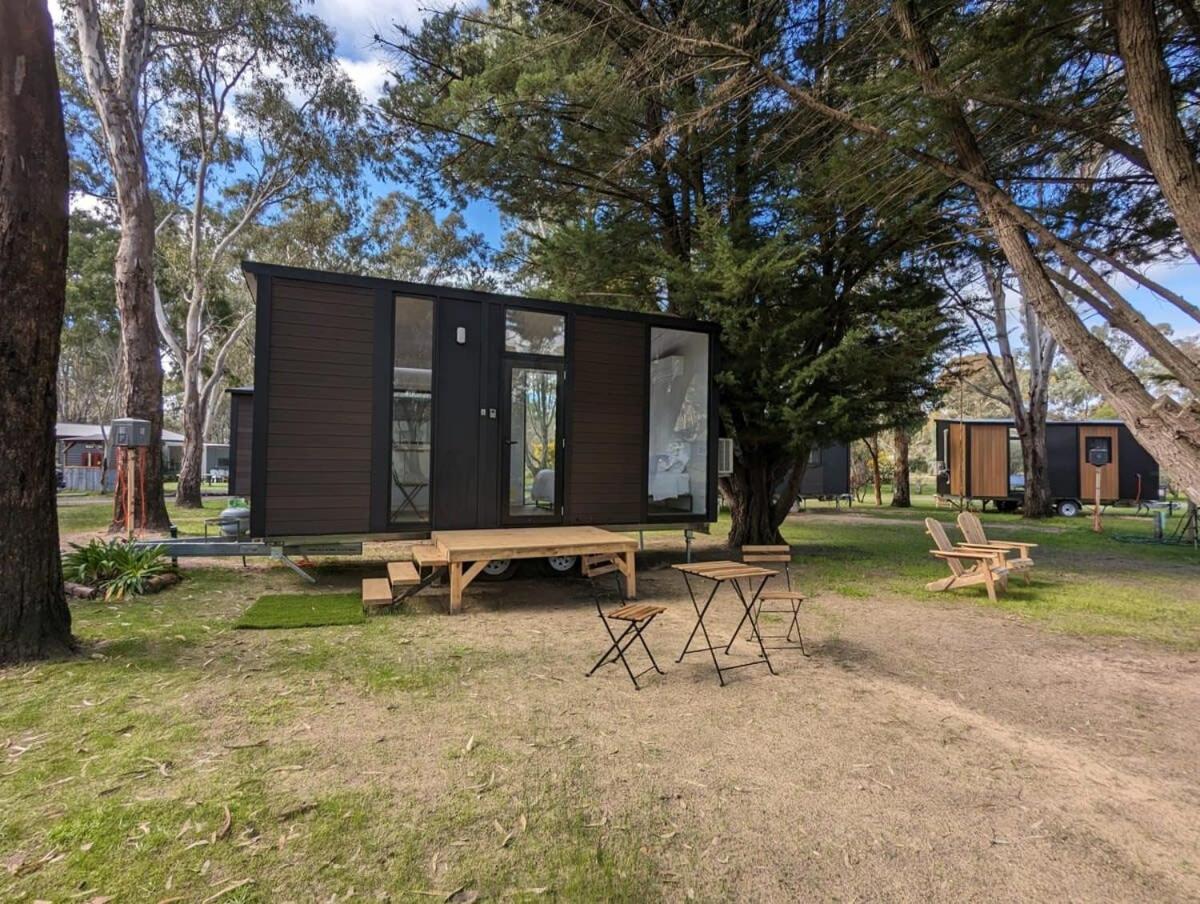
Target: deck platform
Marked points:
468	552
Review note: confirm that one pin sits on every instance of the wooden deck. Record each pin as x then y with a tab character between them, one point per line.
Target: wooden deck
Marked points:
468	552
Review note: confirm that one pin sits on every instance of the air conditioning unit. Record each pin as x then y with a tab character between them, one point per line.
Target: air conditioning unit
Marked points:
724	457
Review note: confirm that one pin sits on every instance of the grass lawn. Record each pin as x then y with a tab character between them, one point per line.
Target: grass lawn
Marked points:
81	516
303	610
413	755
1116	583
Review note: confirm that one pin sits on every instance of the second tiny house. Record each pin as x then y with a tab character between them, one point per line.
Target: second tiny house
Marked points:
981	459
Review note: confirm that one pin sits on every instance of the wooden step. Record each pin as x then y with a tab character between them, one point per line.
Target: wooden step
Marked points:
376	593
403	574
428	555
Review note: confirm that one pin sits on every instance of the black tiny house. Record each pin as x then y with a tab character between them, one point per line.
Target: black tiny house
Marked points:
827	473
981	459
389	408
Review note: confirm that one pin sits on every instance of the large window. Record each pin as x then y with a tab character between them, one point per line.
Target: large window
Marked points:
678	467
534	333
412	410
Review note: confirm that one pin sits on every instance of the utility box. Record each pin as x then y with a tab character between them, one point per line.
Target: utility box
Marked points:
1099	451
130	433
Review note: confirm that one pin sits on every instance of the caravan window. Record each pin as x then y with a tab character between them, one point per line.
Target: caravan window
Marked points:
678	466
412	410
1016	464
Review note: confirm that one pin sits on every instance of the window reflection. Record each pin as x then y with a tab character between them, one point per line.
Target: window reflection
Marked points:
534	333
412	410
678	466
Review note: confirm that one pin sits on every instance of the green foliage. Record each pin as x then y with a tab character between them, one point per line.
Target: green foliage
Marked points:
118	568
91	330
633	180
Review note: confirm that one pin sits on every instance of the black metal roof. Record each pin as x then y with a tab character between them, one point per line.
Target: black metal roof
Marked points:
254	269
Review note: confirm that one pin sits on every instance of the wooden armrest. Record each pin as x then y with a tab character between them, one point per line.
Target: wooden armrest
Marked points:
975	554
1012	544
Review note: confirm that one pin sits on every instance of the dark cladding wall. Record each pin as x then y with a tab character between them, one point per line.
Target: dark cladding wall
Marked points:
606	477
319	444
241	406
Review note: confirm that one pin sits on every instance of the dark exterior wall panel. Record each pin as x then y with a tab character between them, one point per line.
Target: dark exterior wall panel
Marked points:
321	410
1139	471
606	475
241	417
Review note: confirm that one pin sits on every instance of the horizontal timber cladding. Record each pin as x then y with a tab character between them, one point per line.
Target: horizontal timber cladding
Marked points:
241	416
320	404
1108	473
606	434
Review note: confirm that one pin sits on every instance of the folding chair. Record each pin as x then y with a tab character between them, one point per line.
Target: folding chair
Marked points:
778	555
635	616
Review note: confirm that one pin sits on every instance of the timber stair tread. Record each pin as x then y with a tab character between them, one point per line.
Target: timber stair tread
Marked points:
403	574
376	593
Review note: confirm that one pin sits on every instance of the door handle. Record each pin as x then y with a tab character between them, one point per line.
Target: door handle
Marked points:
513	442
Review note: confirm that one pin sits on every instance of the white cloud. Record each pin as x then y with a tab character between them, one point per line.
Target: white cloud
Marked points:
368	76
358	21
91	204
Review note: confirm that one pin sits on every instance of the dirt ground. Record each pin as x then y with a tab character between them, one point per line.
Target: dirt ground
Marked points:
921	752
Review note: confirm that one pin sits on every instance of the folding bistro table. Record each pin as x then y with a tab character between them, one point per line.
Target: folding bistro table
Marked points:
720	573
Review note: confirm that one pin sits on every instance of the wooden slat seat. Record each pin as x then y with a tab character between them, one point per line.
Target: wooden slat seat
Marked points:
986	565
767	553
780	555
376	593
636	611
1015	555
402	574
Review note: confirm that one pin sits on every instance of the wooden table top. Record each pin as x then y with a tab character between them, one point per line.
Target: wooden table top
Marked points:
724	570
529	542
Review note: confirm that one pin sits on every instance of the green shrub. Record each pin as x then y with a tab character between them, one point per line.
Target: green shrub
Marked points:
116	567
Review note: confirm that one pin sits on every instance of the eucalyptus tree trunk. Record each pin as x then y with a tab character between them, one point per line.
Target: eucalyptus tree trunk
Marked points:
115	95
901	492
1028	418
35	621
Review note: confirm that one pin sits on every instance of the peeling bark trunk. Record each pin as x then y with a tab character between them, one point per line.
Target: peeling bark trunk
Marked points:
1164	140
901	492
115	96
187	493
35	621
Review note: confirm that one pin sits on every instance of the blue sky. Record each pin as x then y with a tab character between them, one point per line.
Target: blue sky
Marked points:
355	23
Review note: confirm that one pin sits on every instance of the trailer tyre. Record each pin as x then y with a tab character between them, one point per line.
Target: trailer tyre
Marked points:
561	565
1068	508
498	570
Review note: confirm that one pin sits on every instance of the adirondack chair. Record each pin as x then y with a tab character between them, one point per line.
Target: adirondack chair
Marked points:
985	565
1015	552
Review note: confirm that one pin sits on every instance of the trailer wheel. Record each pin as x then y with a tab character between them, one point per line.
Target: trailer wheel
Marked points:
498	570
558	565
1068	508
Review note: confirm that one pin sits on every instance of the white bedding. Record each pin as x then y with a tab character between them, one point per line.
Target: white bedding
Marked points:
669	485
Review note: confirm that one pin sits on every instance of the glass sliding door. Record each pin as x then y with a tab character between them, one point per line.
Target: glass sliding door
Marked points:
533	439
412	410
